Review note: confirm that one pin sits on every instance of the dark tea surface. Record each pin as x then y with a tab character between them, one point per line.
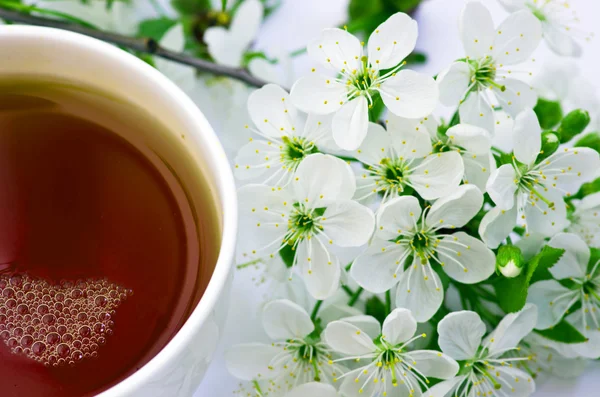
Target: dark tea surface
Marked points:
104	247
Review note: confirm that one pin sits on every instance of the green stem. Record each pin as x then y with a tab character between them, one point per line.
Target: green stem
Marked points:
354	298
297	52
388	302
257	387
348	290
315	311
498	151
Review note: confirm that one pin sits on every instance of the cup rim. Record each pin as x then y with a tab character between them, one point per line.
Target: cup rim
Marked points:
223	182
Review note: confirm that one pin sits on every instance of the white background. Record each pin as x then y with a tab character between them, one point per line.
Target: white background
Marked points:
290	28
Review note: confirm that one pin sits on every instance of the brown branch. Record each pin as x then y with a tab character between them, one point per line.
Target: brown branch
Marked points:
148	46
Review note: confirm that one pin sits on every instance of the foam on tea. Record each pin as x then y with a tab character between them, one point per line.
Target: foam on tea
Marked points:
108	237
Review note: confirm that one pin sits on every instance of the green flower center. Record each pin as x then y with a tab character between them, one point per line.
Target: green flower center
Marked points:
483	74
393	173
296	149
303	223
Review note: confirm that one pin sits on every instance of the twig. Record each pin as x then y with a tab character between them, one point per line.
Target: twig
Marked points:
148	46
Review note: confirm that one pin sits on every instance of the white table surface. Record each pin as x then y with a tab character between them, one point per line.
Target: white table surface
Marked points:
296	22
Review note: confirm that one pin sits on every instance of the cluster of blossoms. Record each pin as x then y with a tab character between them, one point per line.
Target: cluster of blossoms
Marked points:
384	223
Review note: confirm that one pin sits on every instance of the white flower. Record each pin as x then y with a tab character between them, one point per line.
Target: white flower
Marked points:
295	357
387	366
398	159
227	46
485	371
404	231
554	300
314	390
315	214
558	23
548	357
485	74
533	191
404	92
287	139
585	220
474	145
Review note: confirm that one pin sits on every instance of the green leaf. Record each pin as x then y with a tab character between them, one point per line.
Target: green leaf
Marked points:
359	9
512	292
549	113
287	255
187	7
376	308
563	332
155	28
416	58
403	5
377	109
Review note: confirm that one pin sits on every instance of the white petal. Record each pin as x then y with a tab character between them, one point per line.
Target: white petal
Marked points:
479	169
434	364
319	268
247	361
545	294
460	334
376	269
253	159
443	389
313	389
283	319
510	331
502	187
397	216
399	326
318	94
350	123
410	94
348	339
516	97
271	111
476	30
262	223
348	223
574	262
591	202
527	137
544	220
519	383
453	83
336	49
531	244
560	41
517	38
410	137
323	178
438	175
475	110
466	259
569	168
392	41
376	146
496	225
420	291
183	76
473	138
317	129
514	5
366	324
456	209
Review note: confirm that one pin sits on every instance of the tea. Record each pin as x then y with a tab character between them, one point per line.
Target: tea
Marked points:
108	237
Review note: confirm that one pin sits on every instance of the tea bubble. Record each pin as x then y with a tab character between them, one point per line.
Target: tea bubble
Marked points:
60	324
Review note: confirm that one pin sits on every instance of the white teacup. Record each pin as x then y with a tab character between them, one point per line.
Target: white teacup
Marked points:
51	53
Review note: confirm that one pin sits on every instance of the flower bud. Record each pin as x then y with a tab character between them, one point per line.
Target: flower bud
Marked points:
550	144
509	261
573	124
549	113
591	140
